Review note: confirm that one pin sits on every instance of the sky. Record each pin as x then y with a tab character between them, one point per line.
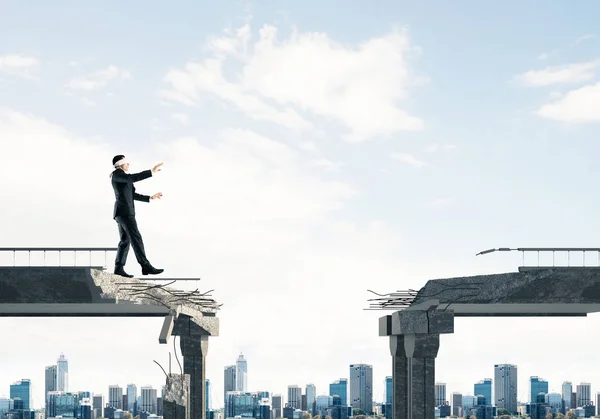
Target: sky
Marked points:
312	150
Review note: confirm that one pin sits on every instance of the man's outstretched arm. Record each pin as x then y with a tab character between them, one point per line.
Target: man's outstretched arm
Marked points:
146	198
122	177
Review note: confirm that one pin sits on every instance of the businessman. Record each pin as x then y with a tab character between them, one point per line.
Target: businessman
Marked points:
124	215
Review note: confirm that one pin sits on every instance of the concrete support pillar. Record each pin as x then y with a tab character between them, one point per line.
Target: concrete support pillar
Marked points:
194	349
177	397
414	343
413	372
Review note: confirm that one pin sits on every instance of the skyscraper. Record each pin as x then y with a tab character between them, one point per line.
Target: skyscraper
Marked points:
361	387
131	399
567	391
537	385
207	395
149	402
229	380
311	397
389	390
484	387
505	377
457	403
440	394
62	374
115	397
276	405
241	374
340	388
584	394
22	390
294	396
51	381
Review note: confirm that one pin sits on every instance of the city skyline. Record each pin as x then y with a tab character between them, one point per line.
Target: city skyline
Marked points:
309	157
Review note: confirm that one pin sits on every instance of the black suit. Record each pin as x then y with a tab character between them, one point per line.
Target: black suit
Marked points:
124	215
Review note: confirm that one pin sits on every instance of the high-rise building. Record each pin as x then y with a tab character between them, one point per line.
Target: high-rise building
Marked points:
6	404
98	405
276	406
389	390
241	372
207	395
340	388
554	400
323	403
61	403
132	399
468	402
361	387
22	390
62	374
584	394
51	381
115	397
537	385
294	396
311	397
457	403
567	391
149	402
229	380
484	388
505	391
440	394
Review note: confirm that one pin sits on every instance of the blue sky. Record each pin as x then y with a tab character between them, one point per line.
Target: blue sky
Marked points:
405	205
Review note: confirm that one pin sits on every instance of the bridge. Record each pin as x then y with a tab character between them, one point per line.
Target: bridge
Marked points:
422	315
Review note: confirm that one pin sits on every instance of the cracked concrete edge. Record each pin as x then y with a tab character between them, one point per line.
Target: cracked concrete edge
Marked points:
110	288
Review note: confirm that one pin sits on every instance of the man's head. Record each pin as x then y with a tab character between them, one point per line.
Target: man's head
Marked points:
120	162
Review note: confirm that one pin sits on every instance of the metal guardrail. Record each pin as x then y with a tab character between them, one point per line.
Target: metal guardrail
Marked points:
568	250
59	250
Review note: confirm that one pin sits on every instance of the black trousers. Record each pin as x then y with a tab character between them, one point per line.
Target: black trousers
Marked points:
129	235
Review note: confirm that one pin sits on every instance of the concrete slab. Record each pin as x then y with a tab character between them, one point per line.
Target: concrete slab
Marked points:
540	292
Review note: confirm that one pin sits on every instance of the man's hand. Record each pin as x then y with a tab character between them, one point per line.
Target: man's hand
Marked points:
156	195
157	168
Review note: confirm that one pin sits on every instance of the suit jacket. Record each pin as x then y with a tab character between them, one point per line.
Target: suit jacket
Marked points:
125	194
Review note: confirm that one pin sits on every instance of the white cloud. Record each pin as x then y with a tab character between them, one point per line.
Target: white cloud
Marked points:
357	86
88	102
99	79
432	148
328	165
181	118
408	159
565	74
577	106
544	56
19	65
584	38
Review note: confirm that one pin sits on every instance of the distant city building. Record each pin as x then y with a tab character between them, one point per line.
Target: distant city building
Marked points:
98	405
115	397
207	395
484	387
537	386
132	399
440	394
22	390
303	404
567	391
389	392
51	381
361	387
61	403
62	379
457	404
584	394
6	404
340	388
229	380
294	397
323	403
311	397
505	377
241	374
149	401
468	402
276	406
554	400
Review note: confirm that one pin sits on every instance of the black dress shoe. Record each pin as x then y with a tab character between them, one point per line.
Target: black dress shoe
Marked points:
151	270
122	273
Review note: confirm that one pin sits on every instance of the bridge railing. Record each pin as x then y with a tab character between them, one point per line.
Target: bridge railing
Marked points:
582	252
60	251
